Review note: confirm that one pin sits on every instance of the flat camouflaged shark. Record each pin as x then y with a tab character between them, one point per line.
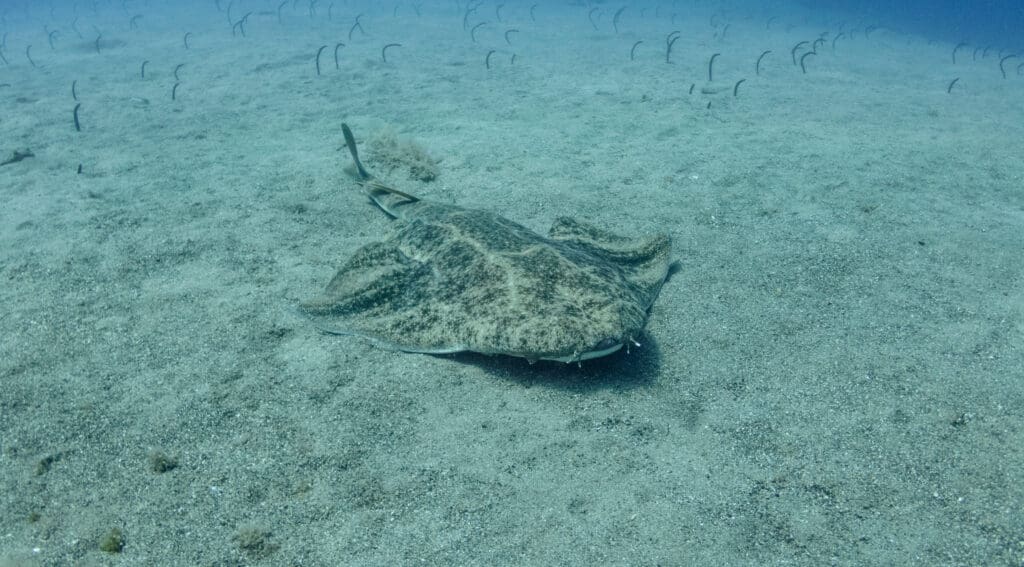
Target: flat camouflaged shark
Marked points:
451	279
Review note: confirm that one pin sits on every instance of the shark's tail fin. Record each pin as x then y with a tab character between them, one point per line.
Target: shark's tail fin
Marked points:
350	141
387	198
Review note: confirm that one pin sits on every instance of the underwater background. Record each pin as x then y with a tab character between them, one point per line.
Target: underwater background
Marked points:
833	373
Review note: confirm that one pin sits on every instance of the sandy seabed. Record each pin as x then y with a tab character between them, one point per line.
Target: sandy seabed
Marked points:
833	375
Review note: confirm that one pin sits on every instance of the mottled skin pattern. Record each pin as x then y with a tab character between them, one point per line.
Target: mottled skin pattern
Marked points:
451	279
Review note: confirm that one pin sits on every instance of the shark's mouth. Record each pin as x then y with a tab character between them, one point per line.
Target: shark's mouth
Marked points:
603	348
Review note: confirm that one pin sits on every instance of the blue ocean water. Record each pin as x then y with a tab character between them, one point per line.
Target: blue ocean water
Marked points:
999	23
996	23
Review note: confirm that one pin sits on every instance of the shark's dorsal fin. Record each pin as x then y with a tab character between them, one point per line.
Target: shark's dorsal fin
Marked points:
387	198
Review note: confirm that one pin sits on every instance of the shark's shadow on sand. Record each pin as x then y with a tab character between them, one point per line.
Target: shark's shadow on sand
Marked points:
624	370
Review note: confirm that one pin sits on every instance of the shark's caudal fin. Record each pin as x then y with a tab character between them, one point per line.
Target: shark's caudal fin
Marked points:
387	198
350	141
